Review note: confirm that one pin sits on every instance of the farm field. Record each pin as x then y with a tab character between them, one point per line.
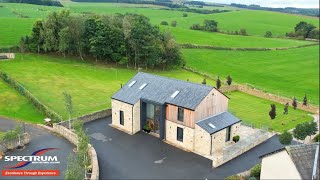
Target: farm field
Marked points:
287	73
254	110
90	86
10	13
15	106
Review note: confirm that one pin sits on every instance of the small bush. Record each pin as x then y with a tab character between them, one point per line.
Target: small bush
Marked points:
255	171
285	138
316	138
184	15
268	34
234	177
173	23
165	23
236	138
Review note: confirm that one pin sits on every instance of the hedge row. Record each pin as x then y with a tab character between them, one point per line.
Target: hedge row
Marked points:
38	104
195	46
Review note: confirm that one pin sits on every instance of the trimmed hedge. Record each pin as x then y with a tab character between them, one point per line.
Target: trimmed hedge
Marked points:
38	104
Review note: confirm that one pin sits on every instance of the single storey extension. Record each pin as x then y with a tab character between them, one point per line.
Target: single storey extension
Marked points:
191	116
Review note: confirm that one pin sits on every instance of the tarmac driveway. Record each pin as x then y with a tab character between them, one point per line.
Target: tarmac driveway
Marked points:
40	139
142	156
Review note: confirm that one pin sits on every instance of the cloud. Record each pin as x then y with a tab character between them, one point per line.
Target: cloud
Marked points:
273	3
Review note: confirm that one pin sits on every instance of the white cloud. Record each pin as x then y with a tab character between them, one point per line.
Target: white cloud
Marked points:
273	3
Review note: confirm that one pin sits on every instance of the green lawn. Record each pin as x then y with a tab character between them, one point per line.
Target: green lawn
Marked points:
91	86
287	73
15	106
254	110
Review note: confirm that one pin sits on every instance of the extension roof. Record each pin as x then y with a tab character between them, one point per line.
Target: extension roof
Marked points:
162	90
217	122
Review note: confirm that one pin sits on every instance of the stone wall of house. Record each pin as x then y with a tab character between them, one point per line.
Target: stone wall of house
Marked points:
218	143
14	143
72	137
128	111
202	141
258	93
171	135
235	130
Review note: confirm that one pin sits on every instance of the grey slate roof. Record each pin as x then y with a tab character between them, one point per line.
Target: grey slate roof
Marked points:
159	89
303	157
220	121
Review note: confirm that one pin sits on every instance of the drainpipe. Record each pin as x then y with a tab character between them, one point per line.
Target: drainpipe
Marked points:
211	145
132	119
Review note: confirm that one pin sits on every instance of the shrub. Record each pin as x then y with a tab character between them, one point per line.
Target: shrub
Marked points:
268	34
272	112
285	138
234	177
165	23
236	138
196	27
184	15
316	138
173	23
243	32
255	171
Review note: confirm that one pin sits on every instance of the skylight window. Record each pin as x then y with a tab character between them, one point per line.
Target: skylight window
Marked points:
142	86
132	83
212	126
175	94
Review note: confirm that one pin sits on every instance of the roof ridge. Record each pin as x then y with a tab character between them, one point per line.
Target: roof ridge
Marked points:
165	77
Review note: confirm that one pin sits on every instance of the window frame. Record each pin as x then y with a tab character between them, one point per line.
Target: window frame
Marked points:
179	116
228	133
179	129
121	117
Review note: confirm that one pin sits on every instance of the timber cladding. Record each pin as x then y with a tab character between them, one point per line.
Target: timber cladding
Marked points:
172	115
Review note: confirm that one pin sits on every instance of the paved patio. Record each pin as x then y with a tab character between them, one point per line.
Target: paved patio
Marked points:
142	156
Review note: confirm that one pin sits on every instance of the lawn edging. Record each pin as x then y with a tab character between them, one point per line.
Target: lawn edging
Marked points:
258	93
72	137
36	102
197	46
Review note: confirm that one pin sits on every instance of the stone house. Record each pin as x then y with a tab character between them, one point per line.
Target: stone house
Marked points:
191	116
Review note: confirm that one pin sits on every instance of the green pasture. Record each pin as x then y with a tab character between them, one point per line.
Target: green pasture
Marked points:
287	73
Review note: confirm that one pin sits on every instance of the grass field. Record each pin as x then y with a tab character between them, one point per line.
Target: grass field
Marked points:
255	26
288	73
15	106
255	111
90	86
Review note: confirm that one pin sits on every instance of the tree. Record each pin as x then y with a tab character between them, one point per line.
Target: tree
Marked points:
68	105
285	138
165	23
312	128
23	43
272	112
285	112
173	23
305	100
243	32
268	34
210	25
184	15
204	81
218	83
294	103
229	80
64	38
301	132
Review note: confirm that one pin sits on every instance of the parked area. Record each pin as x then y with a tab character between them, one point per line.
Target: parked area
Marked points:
143	156
40	139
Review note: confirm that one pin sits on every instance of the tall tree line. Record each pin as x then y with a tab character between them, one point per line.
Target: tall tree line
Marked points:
127	39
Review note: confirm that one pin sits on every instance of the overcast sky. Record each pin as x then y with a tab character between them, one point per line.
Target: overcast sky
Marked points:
273	3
